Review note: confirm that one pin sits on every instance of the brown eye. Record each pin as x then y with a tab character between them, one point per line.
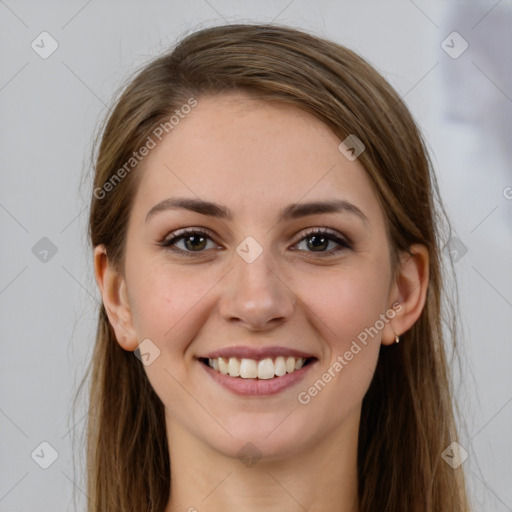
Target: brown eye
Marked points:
318	241
191	241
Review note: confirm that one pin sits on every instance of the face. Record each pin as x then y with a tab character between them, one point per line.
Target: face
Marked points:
256	280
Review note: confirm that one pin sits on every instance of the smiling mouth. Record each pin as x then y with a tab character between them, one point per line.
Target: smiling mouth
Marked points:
263	369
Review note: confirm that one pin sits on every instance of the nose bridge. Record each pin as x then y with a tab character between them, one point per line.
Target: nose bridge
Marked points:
254	271
256	293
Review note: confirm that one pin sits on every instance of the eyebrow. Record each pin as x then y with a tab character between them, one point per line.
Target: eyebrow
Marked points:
292	211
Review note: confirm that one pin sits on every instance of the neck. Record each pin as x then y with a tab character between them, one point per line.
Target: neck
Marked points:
320	477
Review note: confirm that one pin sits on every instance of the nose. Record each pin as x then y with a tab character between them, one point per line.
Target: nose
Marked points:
257	295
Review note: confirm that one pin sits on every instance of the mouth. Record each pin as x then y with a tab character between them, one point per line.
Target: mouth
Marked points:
257	378
257	372
262	369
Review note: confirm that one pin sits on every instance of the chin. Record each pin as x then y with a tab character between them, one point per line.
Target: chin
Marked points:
268	439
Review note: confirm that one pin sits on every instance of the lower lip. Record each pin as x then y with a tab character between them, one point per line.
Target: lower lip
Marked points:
258	387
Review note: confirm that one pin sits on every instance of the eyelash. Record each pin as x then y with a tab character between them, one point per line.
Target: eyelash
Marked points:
331	235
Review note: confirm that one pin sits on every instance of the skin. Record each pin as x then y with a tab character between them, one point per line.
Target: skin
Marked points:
255	158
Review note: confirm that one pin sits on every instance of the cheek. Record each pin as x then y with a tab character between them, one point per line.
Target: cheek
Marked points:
164	299
345	302
345	307
169	307
344	310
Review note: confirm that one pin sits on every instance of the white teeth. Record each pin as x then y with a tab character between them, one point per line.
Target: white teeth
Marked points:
233	367
248	369
280	366
223	366
299	363
251	369
265	369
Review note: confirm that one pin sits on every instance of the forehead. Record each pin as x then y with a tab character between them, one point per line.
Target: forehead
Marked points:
253	156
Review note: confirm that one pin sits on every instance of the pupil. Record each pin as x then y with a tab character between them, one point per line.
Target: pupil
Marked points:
317	241
195	244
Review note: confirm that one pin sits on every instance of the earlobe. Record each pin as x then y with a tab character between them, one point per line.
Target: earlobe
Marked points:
410	291
112	287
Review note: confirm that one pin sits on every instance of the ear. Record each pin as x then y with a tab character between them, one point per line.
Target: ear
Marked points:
408	292
115	299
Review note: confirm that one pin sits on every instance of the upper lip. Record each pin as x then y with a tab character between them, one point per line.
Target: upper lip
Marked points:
258	353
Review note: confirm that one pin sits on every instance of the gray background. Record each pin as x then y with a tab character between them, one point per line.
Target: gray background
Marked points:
50	109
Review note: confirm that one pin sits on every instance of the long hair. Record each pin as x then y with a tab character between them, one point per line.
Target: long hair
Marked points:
408	414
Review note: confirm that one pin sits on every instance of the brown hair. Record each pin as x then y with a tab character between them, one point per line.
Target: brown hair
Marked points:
407	415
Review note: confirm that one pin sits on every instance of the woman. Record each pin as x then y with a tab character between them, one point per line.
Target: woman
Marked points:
267	250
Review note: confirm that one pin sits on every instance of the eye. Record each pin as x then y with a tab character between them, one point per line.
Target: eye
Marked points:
318	240
194	240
